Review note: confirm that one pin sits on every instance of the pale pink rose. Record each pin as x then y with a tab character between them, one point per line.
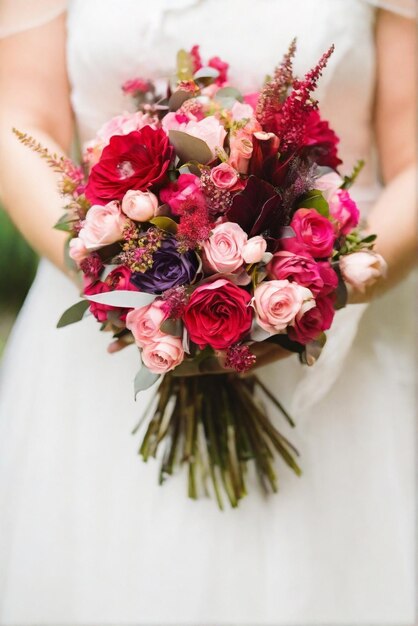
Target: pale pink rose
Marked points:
222	252
92	151
241	111
277	302
140	206
224	176
77	251
328	184
253	251
163	355
103	225
144	323
241	149
363	269
209	130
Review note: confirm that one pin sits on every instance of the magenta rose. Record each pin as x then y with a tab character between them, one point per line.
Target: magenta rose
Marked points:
314	231
185	191
329	278
119	278
344	210
303	270
312	323
218	314
139	160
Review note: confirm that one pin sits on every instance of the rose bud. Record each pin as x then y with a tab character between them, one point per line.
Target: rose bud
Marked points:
77	251
277	302
222	252
144	322
140	206
362	269
344	210
224	176
241	149
163	355
103	225
253	251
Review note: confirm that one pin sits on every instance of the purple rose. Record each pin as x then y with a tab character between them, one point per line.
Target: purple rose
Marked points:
169	269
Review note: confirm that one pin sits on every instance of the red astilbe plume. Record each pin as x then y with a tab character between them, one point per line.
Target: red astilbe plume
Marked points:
291	120
194	227
275	90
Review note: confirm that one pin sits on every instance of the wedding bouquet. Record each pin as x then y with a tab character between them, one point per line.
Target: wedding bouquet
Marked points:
204	222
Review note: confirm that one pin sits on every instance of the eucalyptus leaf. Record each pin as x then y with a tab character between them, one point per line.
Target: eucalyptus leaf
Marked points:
172	327
257	333
315	200
74	314
64	223
107	270
144	379
165	223
287	233
178	98
229	93
190	148
205	76
123	298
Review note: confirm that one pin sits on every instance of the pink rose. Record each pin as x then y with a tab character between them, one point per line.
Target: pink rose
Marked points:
241	111
224	176
140	206
163	355
254	249
78	251
209	130
328	184
241	149
277	302
186	190
314	231
145	322
344	210
222	252
103	225
362	269
312	323
301	269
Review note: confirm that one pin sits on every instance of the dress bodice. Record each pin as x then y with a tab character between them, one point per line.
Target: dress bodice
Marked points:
109	44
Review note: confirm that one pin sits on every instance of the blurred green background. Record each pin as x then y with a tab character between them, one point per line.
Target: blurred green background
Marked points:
17	270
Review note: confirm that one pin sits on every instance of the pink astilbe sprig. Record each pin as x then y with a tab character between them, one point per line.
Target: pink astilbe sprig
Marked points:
275	90
290	121
240	358
218	200
175	301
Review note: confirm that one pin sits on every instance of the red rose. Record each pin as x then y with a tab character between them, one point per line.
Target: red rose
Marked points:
119	278
218	314
310	325
296	268
321	141
314	231
138	160
329	278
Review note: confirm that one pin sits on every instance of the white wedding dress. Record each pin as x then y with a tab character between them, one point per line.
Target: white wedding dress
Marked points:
86	534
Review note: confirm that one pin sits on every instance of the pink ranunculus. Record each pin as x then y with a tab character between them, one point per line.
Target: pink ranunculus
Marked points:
308	326
328	184
140	206
363	269
163	355
344	210
103	225
224	176
209	130
77	251
277	302
241	111
254	249
301	269
241	149
185	190
222	252
145	322
315	231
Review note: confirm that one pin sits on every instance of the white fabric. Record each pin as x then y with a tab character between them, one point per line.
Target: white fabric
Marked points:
86	534
406	8
19	15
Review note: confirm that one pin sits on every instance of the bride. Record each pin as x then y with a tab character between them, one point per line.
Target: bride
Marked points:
86	534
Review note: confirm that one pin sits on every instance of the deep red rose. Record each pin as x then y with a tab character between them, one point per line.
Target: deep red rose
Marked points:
321	141
119	278
139	160
314	231
329	278
218	314
301	269
310	325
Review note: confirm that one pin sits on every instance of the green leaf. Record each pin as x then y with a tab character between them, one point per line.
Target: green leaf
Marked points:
315	200
123	298
349	180
144	379
229	93
190	148
74	314
205	76
64	223
165	223
184	65
178	98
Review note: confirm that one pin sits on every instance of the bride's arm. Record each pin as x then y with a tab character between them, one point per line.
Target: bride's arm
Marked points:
394	217
35	99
